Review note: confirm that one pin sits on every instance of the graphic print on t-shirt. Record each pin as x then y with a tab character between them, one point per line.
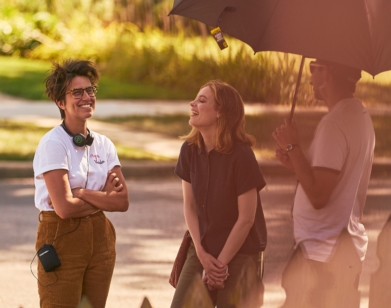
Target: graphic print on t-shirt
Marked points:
97	159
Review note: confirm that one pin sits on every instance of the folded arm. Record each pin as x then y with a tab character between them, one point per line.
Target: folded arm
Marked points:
81	202
114	196
61	196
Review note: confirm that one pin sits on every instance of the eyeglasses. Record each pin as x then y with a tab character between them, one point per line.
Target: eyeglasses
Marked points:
79	92
314	65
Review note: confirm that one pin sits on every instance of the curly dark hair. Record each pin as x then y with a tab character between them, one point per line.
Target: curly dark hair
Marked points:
61	76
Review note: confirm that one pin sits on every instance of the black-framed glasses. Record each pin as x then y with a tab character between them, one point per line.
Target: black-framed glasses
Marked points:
314	65
79	92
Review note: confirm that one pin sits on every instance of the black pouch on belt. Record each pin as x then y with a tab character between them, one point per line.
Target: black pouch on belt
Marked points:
48	257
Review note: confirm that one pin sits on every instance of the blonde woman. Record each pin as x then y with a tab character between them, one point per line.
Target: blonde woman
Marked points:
221	181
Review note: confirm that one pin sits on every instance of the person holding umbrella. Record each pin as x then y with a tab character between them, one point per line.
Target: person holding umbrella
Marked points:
221	181
333	177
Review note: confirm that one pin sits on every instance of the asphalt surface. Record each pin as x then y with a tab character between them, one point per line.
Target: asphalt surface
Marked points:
149	234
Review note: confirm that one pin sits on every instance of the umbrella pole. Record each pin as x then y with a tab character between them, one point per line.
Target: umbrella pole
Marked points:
297	88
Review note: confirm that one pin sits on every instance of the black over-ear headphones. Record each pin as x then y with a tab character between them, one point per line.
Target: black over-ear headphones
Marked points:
79	139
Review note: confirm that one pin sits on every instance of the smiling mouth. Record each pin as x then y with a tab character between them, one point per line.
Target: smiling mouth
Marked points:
86	106
193	113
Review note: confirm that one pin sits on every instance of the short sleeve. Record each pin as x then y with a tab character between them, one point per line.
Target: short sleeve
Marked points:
247	172
329	149
50	155
182	168
112	156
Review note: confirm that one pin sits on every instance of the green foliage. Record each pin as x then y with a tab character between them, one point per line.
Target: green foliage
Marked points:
182	63
24	78
112	88
21	32
18	142
136	52
171	125
135	42
128	153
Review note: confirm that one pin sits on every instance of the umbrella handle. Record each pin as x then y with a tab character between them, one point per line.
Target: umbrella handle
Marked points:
297	88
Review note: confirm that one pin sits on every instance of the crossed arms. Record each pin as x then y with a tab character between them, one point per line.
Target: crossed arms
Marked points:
80	202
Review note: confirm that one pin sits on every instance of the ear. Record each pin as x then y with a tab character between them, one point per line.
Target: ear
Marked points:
60	104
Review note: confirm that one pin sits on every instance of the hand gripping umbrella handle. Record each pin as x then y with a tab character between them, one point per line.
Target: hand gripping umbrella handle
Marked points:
297	87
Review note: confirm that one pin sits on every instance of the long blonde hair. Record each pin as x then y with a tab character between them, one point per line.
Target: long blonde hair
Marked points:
231	122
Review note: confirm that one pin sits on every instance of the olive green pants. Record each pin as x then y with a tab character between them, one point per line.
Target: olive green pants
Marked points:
242	288
86	249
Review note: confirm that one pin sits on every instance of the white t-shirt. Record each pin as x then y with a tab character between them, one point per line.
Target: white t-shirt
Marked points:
87	166
344	141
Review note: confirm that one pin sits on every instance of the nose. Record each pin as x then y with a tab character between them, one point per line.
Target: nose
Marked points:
192	103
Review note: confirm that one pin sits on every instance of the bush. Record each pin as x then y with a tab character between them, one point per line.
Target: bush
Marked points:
141	53
21	33
185	64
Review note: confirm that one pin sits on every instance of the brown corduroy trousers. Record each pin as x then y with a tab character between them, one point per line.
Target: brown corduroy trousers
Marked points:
86	249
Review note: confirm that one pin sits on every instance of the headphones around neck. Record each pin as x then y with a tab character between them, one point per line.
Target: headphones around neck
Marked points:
79	139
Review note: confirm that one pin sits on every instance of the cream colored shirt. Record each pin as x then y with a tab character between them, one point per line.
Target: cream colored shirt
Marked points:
344	141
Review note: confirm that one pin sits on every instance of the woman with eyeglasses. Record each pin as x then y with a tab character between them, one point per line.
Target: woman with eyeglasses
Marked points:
221	181
77	177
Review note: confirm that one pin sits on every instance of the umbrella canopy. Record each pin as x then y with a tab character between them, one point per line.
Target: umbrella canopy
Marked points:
355	33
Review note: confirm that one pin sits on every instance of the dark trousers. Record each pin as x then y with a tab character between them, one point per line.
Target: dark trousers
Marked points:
87	255
242	288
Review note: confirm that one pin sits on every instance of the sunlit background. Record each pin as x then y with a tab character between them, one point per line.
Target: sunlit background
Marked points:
145	55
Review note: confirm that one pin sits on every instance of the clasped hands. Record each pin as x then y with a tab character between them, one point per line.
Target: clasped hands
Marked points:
215	272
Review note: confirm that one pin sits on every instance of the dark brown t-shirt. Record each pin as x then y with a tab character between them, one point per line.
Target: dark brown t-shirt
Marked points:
218	180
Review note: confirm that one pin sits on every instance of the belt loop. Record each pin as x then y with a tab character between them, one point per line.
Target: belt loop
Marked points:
40	216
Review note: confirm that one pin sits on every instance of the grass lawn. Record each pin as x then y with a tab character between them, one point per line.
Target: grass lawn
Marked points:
18	142
24	78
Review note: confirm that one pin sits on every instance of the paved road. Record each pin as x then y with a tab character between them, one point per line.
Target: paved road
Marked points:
12	106
149	234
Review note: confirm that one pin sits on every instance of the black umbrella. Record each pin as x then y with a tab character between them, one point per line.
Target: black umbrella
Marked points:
355	33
